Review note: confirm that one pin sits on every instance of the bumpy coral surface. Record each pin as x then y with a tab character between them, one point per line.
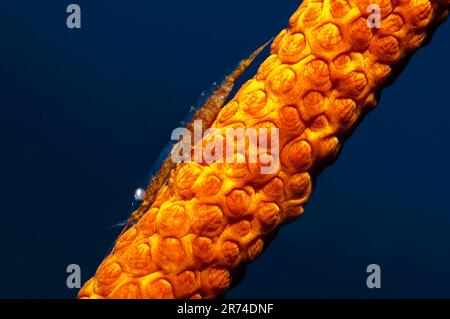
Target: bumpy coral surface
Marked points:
211	220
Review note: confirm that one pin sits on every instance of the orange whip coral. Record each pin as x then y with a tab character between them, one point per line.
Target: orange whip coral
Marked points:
210	220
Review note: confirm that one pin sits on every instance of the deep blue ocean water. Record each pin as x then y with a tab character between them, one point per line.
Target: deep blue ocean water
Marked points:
85	113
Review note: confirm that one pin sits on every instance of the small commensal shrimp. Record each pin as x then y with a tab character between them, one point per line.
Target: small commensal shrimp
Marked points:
206	113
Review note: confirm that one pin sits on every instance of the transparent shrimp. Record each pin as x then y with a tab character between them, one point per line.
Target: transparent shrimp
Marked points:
206	113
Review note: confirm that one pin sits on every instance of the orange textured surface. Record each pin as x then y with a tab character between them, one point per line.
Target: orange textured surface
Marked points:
211	220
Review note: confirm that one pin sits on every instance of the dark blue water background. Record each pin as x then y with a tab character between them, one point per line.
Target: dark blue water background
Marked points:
85	113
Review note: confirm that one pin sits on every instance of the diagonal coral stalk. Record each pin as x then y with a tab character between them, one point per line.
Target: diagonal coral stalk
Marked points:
323	75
